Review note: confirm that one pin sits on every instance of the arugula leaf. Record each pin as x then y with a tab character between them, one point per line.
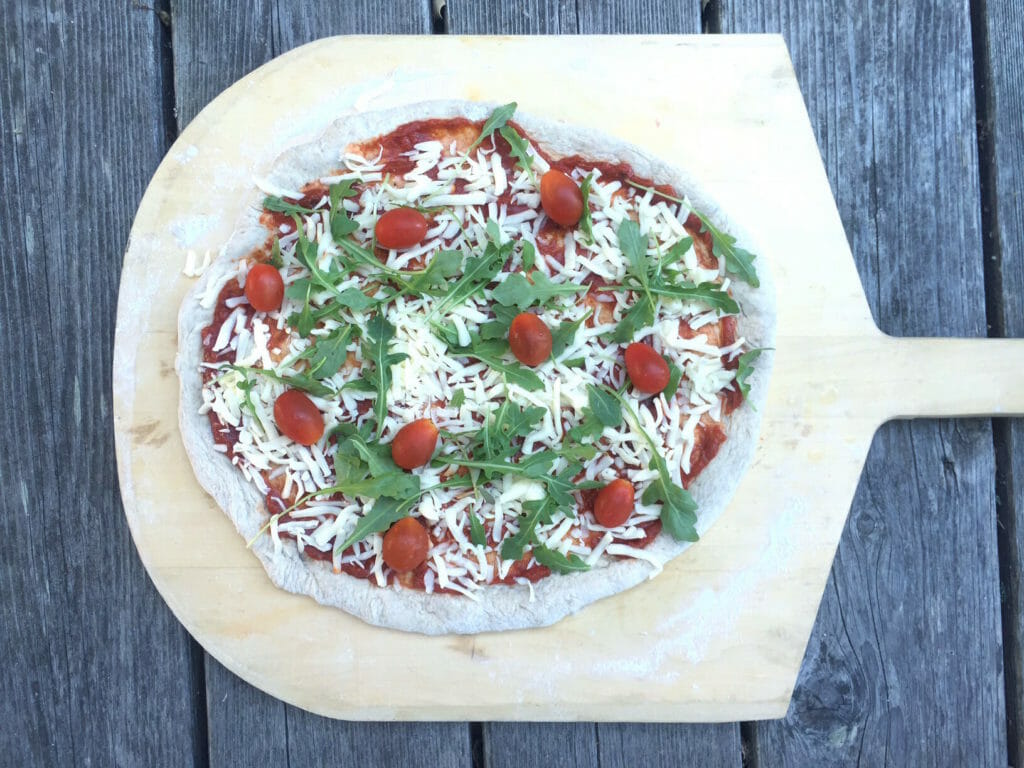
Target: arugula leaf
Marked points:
604	406
328	353
706	293
498	327
520	150
275	254
535	466
379	333
444	265
558	562
640	315
678	509
586	222
633	245
510	422
498	118
278	204
457	399
342	224
574	362
737	260
676	253
295	381
565	334
478	271
386	511
303	322
675	375
746	368
529	255
490	352
517	291
354	442
649	279
603	411
512	547
476	530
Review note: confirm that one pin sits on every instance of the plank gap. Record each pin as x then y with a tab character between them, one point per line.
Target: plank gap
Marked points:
995	321
165	61
995	314
748	744
710	17
437	12
1010	591
201	729
476	744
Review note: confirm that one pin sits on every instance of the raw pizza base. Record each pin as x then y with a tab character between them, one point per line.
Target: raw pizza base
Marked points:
499	607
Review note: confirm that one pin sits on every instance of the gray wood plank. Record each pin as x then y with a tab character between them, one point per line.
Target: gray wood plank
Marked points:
621	745
905	664
553	17
249	728
1004	75
216	43
577	743
96	670
537	745
213	47
237	711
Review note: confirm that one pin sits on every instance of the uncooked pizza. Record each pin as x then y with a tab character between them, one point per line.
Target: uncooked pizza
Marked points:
461	369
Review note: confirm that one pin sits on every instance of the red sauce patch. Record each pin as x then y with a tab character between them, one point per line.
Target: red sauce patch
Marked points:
708	438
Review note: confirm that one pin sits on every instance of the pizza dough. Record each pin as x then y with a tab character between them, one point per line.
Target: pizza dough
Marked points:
499	607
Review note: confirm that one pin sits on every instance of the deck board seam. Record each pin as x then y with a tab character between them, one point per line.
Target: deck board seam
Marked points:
995	317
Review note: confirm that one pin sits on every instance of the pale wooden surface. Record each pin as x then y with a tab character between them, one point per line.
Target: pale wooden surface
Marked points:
79	51
727	622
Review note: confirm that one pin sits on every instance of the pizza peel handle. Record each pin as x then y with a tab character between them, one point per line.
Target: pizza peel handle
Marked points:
951	377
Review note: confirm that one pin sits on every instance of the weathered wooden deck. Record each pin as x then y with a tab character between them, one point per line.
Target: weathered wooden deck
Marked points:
916	658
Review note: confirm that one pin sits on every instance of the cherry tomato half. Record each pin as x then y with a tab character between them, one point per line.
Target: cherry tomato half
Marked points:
401	228
405	545
264	288
647	369
414	444
561	198
529	339
298	418
614	503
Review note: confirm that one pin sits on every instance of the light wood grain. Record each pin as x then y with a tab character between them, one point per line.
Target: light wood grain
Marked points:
90	651
728	621
903	667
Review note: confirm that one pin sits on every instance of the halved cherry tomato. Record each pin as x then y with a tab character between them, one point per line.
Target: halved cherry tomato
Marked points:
561	198
401	228
614	503
298	418
529	339
405	545
264	288
414	444
647	369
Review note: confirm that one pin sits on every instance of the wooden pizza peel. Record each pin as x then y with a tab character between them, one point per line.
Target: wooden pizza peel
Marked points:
721	633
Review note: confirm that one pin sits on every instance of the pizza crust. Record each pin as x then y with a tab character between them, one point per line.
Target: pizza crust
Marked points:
499	607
